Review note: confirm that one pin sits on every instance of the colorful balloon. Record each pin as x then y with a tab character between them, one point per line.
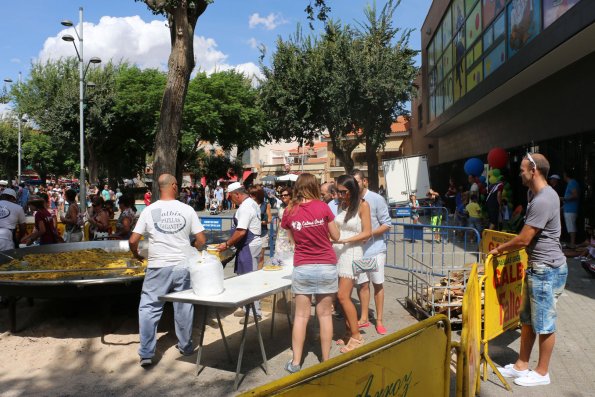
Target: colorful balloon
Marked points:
474	166
497	158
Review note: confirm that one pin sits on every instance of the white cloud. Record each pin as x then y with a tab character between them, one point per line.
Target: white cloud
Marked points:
146	44
269	22
15	60
252	42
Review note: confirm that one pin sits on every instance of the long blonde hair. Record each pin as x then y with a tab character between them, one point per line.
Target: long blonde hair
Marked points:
306	188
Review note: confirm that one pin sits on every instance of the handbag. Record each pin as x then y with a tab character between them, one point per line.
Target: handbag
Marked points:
364	265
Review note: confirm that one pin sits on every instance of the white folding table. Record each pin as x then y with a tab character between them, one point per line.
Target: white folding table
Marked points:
239	291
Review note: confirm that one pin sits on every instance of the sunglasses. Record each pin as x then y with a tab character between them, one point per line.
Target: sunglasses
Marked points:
286	195
342	192
533	163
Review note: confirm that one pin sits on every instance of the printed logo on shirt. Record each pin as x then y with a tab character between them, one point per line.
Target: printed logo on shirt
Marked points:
168	221
4	212
297	225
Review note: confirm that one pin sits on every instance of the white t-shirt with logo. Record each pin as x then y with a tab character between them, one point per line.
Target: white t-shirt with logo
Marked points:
248	217
11	215
169	225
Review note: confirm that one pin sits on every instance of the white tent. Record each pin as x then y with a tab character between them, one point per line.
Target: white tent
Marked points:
288	177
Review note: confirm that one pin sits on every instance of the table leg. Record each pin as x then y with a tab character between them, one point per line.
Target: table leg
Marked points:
223	336
242	343
273	318
264	357
287	309
203	326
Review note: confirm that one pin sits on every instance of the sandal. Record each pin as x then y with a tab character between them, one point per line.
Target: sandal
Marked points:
353	344
342	341
365	324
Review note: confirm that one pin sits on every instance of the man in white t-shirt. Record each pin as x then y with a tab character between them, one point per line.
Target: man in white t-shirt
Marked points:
219	196
245	233
11	215
169	224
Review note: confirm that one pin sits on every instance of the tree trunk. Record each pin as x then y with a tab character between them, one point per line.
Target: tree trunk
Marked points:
93	164
372	161
182	21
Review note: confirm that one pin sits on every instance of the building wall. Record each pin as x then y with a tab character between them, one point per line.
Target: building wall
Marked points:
558	106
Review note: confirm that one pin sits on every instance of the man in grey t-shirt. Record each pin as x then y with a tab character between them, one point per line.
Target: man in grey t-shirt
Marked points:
546	273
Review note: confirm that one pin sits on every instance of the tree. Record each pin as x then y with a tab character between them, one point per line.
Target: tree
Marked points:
182	16
221	109
8	149
387	75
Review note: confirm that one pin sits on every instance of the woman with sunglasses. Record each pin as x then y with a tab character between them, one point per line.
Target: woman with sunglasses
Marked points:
309	222
355	224
99	220
284	247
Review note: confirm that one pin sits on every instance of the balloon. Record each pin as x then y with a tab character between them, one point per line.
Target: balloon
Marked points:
494	179
496	172
497	158
482	179
474	166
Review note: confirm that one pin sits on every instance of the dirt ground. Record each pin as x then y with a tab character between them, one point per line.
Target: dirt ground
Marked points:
80	348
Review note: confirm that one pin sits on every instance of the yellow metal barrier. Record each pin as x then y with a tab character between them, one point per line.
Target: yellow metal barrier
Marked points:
468	355
412	362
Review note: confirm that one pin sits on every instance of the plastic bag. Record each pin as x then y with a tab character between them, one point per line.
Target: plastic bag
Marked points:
206	274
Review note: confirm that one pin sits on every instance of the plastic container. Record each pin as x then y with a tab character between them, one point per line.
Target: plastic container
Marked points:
206	274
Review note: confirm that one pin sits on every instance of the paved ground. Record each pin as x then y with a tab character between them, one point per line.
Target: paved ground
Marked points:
90	361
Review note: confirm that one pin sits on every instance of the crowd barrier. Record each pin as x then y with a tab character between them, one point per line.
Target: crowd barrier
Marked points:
440	215
414	361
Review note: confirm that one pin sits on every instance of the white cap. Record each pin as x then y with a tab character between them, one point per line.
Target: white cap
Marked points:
234	186
3	183
554	176
9	192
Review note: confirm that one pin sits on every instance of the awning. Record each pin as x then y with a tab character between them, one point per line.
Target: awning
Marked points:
246	175
394	145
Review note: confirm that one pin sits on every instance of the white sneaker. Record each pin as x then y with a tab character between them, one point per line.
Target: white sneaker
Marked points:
508	371
533	379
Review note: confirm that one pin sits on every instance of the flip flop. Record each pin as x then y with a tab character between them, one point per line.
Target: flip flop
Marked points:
341	340
363	325
381	330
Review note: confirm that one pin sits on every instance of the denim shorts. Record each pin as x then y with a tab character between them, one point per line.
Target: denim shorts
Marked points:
541	290
314	279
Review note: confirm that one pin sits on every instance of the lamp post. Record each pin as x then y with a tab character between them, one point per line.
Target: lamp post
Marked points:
8	80
82	73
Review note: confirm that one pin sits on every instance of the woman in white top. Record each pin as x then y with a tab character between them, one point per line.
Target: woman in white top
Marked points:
355	224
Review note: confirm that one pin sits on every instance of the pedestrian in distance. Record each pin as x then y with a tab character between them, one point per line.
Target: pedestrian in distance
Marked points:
168	223
546	273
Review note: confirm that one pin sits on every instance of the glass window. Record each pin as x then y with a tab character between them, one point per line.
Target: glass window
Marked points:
459	81
447	59
440	70
438	43
439	100
432	107
458	14
446	28
473	26
474	76
431	59
448	94
491	8
469	6
499	27
524	23
494	59
488	37
459	46
554	9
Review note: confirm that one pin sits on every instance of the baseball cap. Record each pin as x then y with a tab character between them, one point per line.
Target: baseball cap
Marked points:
234	186
554	176
9	192
3	183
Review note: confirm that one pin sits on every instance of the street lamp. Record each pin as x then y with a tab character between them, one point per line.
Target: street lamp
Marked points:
9	80
82	74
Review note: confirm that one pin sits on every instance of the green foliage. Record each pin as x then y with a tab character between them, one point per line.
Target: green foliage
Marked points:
8	149
214	167
221	109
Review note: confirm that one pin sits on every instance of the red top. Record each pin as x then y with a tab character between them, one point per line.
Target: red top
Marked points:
309	226
147	198
44	216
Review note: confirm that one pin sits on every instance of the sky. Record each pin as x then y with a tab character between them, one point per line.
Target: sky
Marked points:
227	35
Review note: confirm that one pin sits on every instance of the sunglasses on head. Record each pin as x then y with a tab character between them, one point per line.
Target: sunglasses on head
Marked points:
533	163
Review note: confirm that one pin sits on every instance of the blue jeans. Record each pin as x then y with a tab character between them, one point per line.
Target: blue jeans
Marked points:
543	285
158	282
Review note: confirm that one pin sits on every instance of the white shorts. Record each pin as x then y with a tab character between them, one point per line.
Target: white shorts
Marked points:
376	277
570	220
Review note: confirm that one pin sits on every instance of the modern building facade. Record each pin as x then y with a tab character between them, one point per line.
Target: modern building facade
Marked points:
516	74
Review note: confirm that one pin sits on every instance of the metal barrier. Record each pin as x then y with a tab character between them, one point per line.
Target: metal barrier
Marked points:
408	238
426	215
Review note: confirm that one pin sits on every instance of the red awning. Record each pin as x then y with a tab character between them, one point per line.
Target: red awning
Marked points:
246	175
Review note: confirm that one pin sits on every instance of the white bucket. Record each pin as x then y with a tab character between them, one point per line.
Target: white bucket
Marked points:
206	275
